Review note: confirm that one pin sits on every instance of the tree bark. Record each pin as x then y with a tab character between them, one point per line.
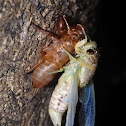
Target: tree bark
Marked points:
20	46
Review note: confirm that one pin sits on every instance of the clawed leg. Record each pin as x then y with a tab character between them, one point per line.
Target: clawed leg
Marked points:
81	43
33	67
82	27
70	56
52	37
68	27
57	71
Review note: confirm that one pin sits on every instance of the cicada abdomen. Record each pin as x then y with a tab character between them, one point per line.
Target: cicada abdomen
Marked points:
54	56
77	74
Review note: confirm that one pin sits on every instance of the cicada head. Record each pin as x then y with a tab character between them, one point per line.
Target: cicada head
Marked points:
88	53
88	58
91	54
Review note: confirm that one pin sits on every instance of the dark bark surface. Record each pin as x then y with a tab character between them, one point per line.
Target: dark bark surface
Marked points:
20	46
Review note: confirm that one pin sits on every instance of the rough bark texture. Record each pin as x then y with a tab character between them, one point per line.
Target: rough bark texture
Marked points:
20	46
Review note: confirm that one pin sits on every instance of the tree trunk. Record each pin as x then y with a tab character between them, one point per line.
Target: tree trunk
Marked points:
20	46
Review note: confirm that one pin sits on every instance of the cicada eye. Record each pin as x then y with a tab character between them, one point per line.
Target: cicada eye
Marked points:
90	51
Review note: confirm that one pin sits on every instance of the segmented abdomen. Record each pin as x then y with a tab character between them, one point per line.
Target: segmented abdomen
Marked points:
53	61
40	76
61	91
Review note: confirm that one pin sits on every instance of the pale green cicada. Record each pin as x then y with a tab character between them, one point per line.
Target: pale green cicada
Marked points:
77	74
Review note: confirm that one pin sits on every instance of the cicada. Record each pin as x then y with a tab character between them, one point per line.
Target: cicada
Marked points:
77	76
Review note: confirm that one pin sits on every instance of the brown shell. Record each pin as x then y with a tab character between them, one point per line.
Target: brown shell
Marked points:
53	56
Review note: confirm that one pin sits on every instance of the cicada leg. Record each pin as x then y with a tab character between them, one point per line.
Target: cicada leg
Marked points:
57	71
68	27
82	27
53	38
33	67
39	62
70	56
81	43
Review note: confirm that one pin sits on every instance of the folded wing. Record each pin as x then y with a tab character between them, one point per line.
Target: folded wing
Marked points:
89	104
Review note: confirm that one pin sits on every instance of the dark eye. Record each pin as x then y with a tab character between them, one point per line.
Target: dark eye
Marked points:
90	51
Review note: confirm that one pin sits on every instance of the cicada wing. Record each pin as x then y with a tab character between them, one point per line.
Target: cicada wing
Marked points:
72	99
89	104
